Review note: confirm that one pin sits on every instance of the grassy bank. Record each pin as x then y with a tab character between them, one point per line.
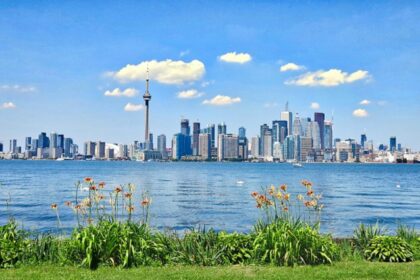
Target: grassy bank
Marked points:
339	270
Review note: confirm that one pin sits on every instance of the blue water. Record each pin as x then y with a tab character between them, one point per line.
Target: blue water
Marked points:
191	194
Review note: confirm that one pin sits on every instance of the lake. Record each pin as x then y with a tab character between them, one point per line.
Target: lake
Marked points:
187	194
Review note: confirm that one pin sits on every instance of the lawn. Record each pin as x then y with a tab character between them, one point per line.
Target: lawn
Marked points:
339	270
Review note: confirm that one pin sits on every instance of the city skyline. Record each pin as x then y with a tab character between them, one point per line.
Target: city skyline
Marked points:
255	65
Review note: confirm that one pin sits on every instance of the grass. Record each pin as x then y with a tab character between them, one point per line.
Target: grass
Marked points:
339	270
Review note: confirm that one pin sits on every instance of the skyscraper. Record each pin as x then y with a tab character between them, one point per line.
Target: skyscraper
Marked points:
43	141
363	140
227	147
297	127
28	142
161	145
320	119
267	144
255	147
393	144
287	116
13	146
185	127
68	142
204	146
60	141
147	97
195	140
279	131
100	150
328	135
1	147
263	129
221	128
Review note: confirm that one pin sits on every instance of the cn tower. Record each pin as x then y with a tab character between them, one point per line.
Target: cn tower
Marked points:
146	98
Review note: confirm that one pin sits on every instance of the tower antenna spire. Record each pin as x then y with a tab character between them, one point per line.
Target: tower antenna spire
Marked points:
287	106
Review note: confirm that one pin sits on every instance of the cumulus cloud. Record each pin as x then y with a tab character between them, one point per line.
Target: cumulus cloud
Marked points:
329	78
360	113
315	105
189	94
221	100
233	57
165	71
8	105
129	92
17	88
365	102
291	67
130	107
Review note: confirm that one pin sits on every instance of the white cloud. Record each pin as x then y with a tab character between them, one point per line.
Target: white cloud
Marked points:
129	92
365	102
233	57
184	53
17	88
207	83
315	105
189	94
221	100
360	113
165	71
291	67
130	107
270	105
8	105
329	78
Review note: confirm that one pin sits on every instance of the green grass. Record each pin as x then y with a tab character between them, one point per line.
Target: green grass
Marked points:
339	270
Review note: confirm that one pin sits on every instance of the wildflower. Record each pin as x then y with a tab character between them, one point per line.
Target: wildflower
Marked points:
271	190
101	197
88	179
93	188
128	195
101	185
300	197
310	193
145	202
279	195
285	209
314	203
254	194
283	187
118	189
54	206
307	203
130	209
78	207
68	203
286	196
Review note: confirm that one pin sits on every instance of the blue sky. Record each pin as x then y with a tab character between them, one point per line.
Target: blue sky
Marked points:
59	59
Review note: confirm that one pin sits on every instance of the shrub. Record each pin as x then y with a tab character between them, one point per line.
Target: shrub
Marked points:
412	237
389	249
237	247
285	242
363	234
13	244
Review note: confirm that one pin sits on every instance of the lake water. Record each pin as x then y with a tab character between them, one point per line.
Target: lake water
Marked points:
211	194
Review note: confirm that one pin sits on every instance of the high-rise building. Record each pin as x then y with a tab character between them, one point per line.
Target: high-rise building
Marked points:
195	139
297	127
60	141
28	143
210	129
320	119
109	153
13	146
227	147
161	145
393	144
363	140
100	150
305	144
147	97
90	148
263	129
185	140
313	132
255	147
1	147
279	131
289	148
53	140
267	145
304	122
221	128
328	135
277	151
204	149
43	140
185	127
287	116
242	132
181	146
34	145
68	142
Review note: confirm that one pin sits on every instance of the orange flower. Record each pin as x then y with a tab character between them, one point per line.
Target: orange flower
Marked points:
283	187
300	197
130	209
100	197
145	202
93	188
54	206
101	185
307	203
254	194
88	179
285	209
128	195
78	206
118	189
310	193
279	195
286	196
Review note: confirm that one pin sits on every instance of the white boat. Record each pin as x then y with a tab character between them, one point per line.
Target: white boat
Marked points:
297	164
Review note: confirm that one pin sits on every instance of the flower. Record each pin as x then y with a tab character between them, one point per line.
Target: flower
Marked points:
145	202
271	190
130	209
279	195
128	195
54	206
285	209
101	185
88	179
310	193
286	196
68	203
93	188
254	194
118	189
283	187
300	197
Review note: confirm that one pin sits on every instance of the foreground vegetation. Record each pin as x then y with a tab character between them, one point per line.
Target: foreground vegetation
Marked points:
287	235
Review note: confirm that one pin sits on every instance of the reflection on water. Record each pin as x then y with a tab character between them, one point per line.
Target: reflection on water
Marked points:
191	194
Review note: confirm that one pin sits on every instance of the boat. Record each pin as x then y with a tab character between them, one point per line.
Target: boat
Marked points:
297	164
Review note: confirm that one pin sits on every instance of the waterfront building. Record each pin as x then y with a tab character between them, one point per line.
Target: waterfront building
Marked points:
210	129
313	132
161	145
267	145
204	146
147	97
181	146
227	147
90	149
60	141
255	147
68	142
53	140
34	145
363	140
320	119
242	143
287	116
289	148
305	147
279	131
242	132
28	142
263	129
221	128
1	147
328	135
43	140
149	145
277	151
297	127
195	138
185	127
304	122
109	153
13	146
393	144
100	150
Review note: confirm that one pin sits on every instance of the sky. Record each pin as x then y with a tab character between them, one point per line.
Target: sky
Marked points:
79	67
